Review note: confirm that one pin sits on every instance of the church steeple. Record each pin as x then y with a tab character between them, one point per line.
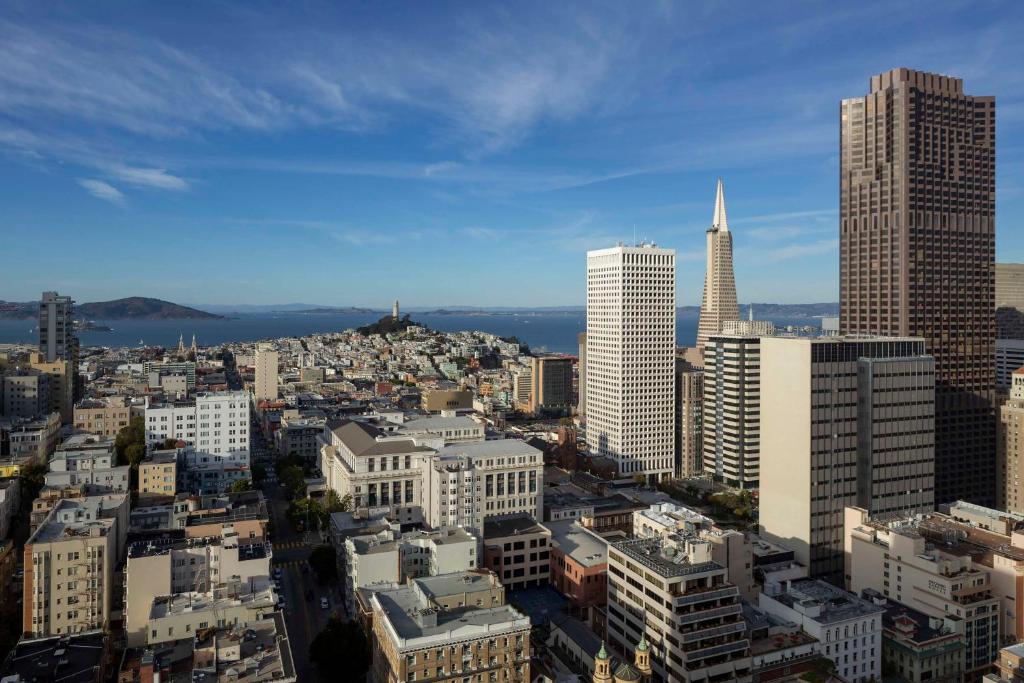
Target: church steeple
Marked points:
602	666
643	658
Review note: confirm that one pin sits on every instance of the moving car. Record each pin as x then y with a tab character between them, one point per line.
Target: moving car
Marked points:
324	604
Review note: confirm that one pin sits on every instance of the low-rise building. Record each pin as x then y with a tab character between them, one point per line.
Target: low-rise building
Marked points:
89	461
32	442
158	474
849	628
179	565
1010	665
434	629
898	562
299	435
517	549
918	647
78	658
388	558
671	594
579	565
172	617
104	417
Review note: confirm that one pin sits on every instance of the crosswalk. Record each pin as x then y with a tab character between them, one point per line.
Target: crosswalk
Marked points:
288	563
290	545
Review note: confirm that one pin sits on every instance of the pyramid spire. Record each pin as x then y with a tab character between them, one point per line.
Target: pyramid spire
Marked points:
719	221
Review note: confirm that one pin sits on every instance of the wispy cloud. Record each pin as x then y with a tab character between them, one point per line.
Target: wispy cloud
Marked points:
148	177
102	190
799	250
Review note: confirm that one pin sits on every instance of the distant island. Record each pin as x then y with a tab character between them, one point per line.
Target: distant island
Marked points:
130	308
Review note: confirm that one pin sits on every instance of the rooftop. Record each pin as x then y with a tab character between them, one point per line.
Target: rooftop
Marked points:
365	439
68	659
667	559
578	542
511	526
835	604
181	603
483	449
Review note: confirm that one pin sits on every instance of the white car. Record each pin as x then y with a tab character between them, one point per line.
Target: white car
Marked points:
324	604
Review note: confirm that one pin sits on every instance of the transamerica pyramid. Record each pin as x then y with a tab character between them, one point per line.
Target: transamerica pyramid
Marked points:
719	301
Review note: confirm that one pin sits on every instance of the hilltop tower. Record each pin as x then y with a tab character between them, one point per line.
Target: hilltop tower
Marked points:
394	310
718	303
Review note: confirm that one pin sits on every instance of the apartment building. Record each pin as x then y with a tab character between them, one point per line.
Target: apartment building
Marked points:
918	647
167	566
104	417
170	368
468	483
897	561
89	461
518	550
299	436
158	474
387	557
844	421
57	340
849	628
69	567
670	593
26	393
32	441
631	344
216	424
732	410
265	384
173	617
448	628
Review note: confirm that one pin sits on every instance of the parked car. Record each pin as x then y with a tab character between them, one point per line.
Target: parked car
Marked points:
324	604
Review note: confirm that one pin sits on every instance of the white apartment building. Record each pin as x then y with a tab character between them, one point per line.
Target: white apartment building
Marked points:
265	384
216	424
388	558
160	567
848	628
84	459
465	484
630	350
178	616
671	593
897	561
732	410
844	421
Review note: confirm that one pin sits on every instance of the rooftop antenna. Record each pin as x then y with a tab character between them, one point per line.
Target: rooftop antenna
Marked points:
634	233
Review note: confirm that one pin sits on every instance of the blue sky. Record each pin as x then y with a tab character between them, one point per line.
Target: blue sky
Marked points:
450	153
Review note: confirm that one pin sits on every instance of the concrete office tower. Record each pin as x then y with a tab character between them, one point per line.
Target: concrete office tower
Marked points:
265	385
551	383
917	251
581	387
732	410
57	340
689	418
719	301
1010	285
631	343
844	421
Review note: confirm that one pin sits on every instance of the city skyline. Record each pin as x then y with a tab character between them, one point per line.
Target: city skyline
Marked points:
374	158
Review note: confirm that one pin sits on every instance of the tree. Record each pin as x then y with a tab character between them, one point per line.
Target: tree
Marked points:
32	478
240	485
259	472
324	563
134	454
341	641
132	435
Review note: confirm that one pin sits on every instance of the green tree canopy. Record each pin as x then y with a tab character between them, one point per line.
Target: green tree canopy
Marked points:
132	435
341	641
240	485
324	563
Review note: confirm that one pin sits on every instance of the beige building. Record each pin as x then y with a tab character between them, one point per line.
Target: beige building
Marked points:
1010	448
673	594
62	384
33	441
689	419
900	563
25	393
1010	285
265	383
69	569
176	616
158	474
718	303
1010	665
105	417
224	562
844	421
449	628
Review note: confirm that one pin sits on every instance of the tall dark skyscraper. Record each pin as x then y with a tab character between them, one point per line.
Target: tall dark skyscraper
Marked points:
917	251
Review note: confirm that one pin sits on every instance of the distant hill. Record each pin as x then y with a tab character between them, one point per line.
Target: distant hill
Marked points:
134	307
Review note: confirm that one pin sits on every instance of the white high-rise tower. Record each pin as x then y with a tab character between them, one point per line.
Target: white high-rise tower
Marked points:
630	350
718	303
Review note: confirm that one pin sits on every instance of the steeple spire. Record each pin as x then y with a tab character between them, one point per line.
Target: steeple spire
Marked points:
719	221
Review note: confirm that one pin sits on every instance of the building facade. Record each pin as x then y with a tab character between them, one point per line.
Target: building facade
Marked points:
689	420
731	450
265	383
57	340
917	251
551	383
845	421
104	417
631	342
518	550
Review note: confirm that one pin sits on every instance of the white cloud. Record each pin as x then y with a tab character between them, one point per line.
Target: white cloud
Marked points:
148	177
102	190
800	250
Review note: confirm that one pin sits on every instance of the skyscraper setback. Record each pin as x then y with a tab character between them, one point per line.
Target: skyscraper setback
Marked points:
718	303
917	251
